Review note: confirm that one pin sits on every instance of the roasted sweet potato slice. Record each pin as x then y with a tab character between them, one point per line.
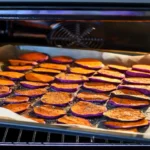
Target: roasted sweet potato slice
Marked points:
89	63
126	125
33	85
38	77
74	120
62	59
130	94
65	87
86	109
118	67
79	70
137	80
39	120
124	114
140	67
31	92
34	56
54	66
4	91
104	79
12	75
92	97
71	78
6	82
20	68
99	87
45	70
17	62
135	73
57	98
17	107
122	102
49	112
111	73
16	99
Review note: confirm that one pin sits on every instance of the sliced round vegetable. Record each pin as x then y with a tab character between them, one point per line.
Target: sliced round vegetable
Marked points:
92	97
17	62
122	102
57	98
74	120
118	67
6	82
140	67
126	125
20	68
71	78
33	85
38	77
89	63
104	79
79	70
86	109
99	87
62	59
4	91
45	70
54	66
137	80
111	73
65	87
16	99
31	92
135	73
17	108
49	112
130	94
12	75
124	114
34	56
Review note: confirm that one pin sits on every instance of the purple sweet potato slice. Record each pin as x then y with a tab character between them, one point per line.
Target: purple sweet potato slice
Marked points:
45	70
74	120
71	78
34	56
126	125
17	62
4	91
62	59
49	112
135	73
39	120
38	77
12	75
31	92
17	107
124	114
65	87
140	67
16	99
124	102
104	79
130	94
33	85
57	98
89	63
137	80
19	68
6	82
99	87
79	70
54	66
87	109
92	97
118	67
111	73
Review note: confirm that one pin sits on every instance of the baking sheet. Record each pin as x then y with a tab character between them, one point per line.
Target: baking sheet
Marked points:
9	52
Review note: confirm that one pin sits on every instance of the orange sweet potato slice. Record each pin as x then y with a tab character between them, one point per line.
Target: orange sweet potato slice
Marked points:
38	77
17	62
6	82
62	59
20	68
140	67
45	70
118	67
16	99
4	91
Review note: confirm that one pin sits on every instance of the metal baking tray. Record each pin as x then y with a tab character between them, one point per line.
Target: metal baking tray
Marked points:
51	126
